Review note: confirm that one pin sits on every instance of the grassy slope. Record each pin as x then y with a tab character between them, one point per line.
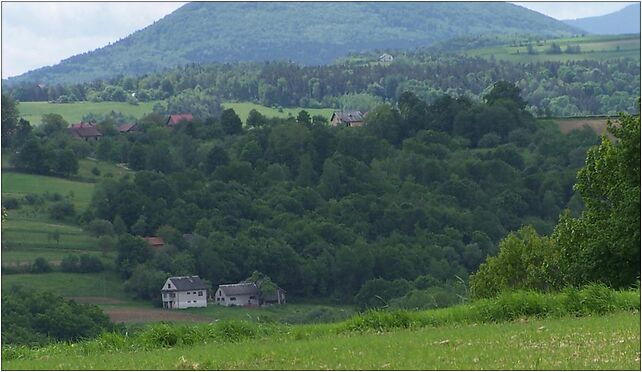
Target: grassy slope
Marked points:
73	112
106	284
25	234
604	342
592	48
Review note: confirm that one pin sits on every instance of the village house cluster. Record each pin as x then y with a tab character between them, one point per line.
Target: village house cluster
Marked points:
182	292
89	131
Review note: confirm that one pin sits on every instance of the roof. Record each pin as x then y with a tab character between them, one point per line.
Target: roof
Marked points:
187	283
239	289
155	241
348	116
83	130
177	118
126	127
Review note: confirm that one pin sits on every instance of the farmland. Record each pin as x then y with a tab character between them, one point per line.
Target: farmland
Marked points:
591	48
74	112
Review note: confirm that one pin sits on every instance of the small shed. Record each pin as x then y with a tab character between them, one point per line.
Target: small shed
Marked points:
128	127
347	118
386	58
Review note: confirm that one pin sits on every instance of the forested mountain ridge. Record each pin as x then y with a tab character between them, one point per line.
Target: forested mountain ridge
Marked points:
624	21
314	33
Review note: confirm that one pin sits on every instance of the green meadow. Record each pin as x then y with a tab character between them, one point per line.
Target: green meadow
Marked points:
243	109
20	184
105	284
591	48
600	343
73	112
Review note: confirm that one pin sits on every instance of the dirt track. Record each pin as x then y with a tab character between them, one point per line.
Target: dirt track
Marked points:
141	315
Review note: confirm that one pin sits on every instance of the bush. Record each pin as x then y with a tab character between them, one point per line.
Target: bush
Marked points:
380	321
95	171
11	203
62	210
69	263
33	199
90	264
40	265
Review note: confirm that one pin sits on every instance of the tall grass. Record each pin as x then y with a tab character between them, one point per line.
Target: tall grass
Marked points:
591	300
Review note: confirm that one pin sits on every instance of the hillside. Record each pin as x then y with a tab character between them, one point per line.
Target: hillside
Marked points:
624	21
315	33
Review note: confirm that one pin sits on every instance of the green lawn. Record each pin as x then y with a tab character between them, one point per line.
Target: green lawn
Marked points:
105	284
242	109
591	47
610	342
107	170
19	184
73	112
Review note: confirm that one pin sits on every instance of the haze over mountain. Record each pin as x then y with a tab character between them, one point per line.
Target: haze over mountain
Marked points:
625	21
310	33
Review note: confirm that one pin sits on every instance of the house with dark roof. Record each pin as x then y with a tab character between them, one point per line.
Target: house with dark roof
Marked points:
247	294
84	131
172	120
182	292
128	128
347	118
240	294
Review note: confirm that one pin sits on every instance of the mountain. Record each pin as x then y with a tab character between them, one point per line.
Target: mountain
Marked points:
625	21
308	33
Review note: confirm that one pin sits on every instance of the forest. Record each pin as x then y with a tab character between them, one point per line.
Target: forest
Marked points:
414	201
572	88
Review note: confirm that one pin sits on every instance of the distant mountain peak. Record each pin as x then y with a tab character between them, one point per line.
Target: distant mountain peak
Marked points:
623	21
307	33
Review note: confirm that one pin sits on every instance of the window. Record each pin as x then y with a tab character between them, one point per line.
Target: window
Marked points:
252	297
164	295
200	293
232	298
172	295
169	285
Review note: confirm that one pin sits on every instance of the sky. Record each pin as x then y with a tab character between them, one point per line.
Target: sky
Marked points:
43	33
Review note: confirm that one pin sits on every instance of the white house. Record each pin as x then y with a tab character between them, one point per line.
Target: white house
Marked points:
386	58
241	294
181	292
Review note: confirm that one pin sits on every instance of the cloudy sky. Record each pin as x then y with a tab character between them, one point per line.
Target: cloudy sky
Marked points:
40	34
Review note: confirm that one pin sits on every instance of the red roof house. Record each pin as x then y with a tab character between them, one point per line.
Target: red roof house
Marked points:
177	118
155	241
86	131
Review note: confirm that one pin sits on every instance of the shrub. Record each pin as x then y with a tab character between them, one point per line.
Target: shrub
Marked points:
33	199
11	203
90	264
61	210
69	263
40	265
95	171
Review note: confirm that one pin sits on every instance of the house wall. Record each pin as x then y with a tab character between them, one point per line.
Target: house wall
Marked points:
236	300
184	299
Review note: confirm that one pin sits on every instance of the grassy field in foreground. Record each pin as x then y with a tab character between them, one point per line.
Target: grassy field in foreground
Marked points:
591	47
73	112
590	343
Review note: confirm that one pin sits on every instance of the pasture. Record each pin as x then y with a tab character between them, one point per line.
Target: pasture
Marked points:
73	112
591	48
243	109
20	184
607	342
